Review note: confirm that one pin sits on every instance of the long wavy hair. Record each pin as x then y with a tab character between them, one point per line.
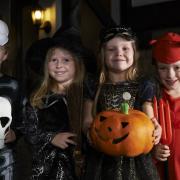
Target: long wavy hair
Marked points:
74	92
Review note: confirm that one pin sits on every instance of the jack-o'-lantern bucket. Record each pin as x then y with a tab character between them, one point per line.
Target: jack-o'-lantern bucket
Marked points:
118	133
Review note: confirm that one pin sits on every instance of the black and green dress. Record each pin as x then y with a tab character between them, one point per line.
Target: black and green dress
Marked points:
100	166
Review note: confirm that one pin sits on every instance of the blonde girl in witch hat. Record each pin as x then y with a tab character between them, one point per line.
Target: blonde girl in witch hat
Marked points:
54	112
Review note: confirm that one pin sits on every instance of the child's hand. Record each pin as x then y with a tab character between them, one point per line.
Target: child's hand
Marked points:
157	131
161	152
10	136
62	140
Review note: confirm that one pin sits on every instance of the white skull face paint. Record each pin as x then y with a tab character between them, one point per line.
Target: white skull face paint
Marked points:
5	118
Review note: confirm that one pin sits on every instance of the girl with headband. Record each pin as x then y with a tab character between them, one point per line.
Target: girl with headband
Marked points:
118	74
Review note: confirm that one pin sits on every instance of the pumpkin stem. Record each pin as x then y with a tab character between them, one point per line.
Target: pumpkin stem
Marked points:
125	108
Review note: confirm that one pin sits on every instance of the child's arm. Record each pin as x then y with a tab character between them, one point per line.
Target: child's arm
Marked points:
87	116
10	136
148	109
34	134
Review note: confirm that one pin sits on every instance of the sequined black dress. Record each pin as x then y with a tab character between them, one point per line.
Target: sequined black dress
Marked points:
103	167
41	125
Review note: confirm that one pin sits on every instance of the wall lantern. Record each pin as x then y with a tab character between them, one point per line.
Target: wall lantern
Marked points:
38	15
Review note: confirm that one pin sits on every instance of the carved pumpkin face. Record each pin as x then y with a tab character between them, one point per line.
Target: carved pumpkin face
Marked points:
115	133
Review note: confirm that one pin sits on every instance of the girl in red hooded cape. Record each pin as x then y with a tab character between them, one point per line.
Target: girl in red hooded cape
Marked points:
166	54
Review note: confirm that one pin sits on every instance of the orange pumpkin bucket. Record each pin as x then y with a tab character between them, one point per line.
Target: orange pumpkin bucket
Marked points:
117	133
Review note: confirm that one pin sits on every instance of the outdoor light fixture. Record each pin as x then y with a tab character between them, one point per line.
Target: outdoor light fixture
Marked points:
38	19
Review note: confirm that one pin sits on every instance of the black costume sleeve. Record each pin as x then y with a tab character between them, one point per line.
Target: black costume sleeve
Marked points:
146	92
34	134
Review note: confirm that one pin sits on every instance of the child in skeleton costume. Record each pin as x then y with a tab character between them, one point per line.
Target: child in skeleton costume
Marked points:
54	111
118	74
166	55
9	88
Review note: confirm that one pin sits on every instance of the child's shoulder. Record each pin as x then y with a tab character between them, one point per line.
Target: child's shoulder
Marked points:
147	81
9	82
8	79
9	87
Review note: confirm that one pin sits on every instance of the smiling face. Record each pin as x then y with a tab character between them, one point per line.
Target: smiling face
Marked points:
115	133
111	128
61	67
119	55
169	75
